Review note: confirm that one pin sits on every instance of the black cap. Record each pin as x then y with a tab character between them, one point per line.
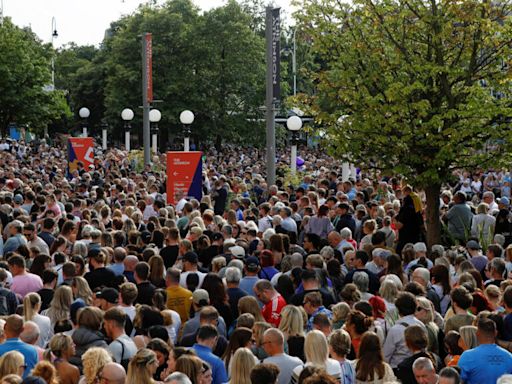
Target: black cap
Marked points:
191	257
216	236
111	295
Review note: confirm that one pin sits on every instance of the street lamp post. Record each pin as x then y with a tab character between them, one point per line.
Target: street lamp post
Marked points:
186	118
345	166
294	124
84	114
154	118
104	128
127	116
54	35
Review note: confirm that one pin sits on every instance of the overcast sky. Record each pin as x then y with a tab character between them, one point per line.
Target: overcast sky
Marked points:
82	21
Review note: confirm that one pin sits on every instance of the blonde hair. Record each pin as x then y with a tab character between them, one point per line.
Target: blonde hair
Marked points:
138	371
292	322
242	363
82	289
249	304
93	360
316	348
388	290
340	342
468	335
258	330
59	344
10	363
59	307
340	312
31	305
11	379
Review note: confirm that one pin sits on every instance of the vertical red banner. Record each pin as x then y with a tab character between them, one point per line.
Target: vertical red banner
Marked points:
184	175
80	149
149	67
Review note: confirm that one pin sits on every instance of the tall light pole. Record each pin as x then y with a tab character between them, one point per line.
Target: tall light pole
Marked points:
104	128
54	36
186	118
154	118
294	124
127	116
84	114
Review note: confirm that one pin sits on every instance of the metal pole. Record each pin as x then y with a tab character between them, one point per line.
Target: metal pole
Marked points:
127	140
345	171
294	159
186	144
146	135
84	130
154	140
104	138
270	111
294	64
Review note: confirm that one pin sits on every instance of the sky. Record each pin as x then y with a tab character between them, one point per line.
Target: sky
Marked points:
82	21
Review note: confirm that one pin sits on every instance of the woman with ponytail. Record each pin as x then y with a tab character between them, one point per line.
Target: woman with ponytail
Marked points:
31	308
62	348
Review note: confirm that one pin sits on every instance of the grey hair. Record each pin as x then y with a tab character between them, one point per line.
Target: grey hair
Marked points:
235	263
177	378
233	275
423	363
361	280
424	273
346	233
327	252
296	259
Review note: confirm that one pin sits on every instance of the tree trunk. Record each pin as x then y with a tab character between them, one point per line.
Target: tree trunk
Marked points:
433	224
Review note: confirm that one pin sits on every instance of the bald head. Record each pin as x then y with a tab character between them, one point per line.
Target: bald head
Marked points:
130	262
114	373
13	326
30	333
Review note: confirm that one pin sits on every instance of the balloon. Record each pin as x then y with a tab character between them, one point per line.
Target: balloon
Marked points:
300	161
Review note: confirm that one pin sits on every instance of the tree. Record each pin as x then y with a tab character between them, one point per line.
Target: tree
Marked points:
424	85
24	79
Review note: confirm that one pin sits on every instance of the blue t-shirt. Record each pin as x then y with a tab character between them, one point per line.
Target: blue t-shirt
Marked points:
484	364
219	374
28	352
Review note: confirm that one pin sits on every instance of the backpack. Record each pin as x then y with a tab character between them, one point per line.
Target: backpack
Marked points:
4	306
124	362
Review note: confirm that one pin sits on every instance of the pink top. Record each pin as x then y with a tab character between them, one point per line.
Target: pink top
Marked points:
26	283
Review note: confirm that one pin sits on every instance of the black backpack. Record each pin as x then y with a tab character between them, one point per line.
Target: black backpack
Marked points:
124	362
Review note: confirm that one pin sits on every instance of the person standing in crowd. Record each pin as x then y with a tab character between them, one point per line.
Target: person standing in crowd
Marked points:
273	343
273	302
487	362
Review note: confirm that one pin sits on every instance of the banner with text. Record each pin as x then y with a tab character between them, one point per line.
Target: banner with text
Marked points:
149	67
80	149
184	175
276	54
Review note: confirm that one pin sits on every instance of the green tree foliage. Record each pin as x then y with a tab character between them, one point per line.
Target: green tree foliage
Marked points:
24	75
424	85
212	64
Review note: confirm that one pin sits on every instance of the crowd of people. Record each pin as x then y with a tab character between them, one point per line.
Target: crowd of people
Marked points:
329	281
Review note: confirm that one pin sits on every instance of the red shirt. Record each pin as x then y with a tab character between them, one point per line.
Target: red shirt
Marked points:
272	310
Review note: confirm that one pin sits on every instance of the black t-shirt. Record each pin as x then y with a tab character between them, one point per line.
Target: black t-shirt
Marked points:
46	297
101	277
327	298
170	255
146	291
